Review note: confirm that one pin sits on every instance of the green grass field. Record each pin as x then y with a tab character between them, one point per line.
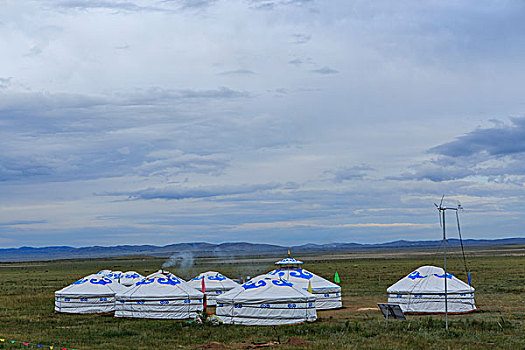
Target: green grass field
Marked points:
26	307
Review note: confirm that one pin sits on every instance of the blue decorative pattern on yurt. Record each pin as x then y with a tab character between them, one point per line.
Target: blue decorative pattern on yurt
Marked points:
298	273
102	281
169	280
415	275
253	285
281	283
217	277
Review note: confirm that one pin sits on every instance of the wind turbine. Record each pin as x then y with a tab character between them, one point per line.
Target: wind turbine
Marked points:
441	211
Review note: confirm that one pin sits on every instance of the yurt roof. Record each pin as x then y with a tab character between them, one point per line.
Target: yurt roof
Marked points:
265	290
161	285
429	280
96	285
166	273
131	274
302	278
213	281
130	277
115	275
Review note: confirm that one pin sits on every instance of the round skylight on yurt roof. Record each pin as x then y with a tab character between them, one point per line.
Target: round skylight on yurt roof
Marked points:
288	261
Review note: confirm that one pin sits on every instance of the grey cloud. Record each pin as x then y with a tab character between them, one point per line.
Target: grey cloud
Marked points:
497	153
26	101
35	50
435	172
296	62
22	222
197	4
238	72
301	38
5	82
299	61
324	71
220	93
350	173
156	95
498	140
270	4
179	192
174	162
111	5
52	137
14	169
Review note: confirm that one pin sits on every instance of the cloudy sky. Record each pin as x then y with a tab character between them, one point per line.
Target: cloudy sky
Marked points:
276	121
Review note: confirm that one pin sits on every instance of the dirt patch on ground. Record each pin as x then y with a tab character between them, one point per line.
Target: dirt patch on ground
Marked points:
368	309
262	345
296	341
213	345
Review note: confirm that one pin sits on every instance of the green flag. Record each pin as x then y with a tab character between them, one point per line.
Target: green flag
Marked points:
336	278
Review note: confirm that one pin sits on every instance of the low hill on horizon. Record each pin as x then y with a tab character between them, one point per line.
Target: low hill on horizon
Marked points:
224	250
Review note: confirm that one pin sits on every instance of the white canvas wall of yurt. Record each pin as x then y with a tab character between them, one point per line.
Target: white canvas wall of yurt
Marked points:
161	295
91	294
423	292
215	284
266	302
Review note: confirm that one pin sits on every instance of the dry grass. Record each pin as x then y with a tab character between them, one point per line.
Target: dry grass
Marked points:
26	307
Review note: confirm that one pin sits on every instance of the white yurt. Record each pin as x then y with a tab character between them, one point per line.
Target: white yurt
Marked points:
267	302
129	278
161	295
423	291
215	284
91	294
327	294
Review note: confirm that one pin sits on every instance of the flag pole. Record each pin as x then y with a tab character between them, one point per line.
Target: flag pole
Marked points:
203	288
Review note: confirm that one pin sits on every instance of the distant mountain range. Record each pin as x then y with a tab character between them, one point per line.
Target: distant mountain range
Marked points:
224	250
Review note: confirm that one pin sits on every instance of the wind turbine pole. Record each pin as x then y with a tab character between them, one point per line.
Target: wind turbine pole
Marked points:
442	210
445	268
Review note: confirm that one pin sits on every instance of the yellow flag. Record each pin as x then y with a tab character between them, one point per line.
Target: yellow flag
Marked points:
310	287
288	252
51	347
1	339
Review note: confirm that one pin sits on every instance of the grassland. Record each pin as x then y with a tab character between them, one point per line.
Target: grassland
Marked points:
26	307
